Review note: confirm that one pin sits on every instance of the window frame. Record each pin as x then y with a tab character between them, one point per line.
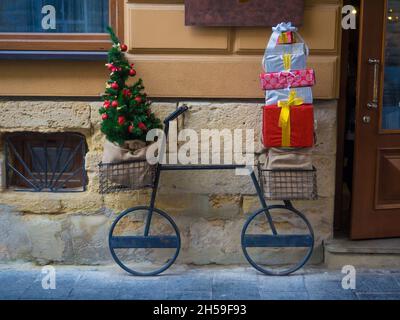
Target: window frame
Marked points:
67	41
23	141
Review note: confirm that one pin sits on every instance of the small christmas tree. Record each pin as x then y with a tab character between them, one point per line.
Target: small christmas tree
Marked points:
126	112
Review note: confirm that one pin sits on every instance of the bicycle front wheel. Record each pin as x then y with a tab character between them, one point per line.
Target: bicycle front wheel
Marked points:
281	251
144	254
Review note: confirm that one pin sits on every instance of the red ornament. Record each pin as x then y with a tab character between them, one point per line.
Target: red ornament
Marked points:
126	93
107	104
110	66
104	116
138	99
114	104
124	47
132	72
121	120
131	128
142	126
115	86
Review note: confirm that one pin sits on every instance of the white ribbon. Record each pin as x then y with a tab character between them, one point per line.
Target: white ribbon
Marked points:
276	32
284	27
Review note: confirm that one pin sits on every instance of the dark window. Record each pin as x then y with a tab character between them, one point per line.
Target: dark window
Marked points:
57	16
49	162
63	25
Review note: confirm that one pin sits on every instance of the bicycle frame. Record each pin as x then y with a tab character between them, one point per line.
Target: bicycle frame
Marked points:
248	240
163	167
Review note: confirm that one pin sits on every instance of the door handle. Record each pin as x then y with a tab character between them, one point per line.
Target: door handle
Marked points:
375	94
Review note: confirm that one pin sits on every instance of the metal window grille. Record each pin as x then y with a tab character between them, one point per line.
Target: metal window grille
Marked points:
126	176
288	184
45	162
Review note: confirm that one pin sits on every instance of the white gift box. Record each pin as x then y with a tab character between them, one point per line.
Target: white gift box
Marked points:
274	58
273	96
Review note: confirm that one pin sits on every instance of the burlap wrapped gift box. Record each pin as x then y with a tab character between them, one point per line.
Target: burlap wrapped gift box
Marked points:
128	166
289	159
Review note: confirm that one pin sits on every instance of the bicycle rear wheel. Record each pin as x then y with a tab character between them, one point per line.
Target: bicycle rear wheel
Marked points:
141	254
280	253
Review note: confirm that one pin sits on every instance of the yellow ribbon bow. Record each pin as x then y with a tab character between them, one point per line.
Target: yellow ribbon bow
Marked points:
284	119
287	61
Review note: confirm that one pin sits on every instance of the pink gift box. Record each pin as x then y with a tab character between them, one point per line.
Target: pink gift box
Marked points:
288	79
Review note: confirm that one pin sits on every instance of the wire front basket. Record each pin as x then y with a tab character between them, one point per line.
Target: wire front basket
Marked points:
126	176
288	184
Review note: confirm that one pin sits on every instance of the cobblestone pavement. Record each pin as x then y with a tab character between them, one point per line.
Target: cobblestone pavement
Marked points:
194	283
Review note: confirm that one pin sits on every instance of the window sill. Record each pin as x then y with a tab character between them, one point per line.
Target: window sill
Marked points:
53	55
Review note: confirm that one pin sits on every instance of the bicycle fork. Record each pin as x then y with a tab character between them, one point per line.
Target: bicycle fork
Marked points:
152	201
157	178
264	203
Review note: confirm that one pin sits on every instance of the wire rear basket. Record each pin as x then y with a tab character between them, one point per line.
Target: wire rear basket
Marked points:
288	184
126	176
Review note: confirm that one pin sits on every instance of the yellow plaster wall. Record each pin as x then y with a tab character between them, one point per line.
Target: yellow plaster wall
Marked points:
179	61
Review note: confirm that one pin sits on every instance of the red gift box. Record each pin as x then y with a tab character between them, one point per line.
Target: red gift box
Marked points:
286	38
287	79
301	126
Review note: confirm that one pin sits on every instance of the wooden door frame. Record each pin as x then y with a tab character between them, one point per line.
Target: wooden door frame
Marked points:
364	51
339	224
368	220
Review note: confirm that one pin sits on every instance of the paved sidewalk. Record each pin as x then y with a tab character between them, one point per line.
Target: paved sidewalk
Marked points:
192	283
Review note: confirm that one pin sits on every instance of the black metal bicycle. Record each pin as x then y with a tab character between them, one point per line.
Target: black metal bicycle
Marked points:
276	239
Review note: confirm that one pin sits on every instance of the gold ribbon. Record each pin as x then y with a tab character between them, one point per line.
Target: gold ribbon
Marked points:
284	119
287	61
283	38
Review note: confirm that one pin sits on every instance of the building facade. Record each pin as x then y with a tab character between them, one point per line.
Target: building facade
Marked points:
213	70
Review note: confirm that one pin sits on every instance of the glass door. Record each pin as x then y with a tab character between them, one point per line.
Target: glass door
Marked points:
391	87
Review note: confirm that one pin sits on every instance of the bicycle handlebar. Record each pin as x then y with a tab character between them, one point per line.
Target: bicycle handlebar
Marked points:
176	114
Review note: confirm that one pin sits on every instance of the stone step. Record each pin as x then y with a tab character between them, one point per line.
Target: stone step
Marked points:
383	253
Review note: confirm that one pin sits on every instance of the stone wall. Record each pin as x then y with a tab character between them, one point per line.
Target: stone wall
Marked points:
210	208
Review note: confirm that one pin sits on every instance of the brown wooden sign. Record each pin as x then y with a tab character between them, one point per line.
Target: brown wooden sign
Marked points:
243	13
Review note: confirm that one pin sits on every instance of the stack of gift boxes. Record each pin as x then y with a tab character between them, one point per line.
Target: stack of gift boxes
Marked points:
288	116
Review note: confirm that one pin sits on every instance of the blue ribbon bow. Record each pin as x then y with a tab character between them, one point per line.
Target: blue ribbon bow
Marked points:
284	27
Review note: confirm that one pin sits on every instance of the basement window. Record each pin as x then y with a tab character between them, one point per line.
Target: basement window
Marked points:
45	162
